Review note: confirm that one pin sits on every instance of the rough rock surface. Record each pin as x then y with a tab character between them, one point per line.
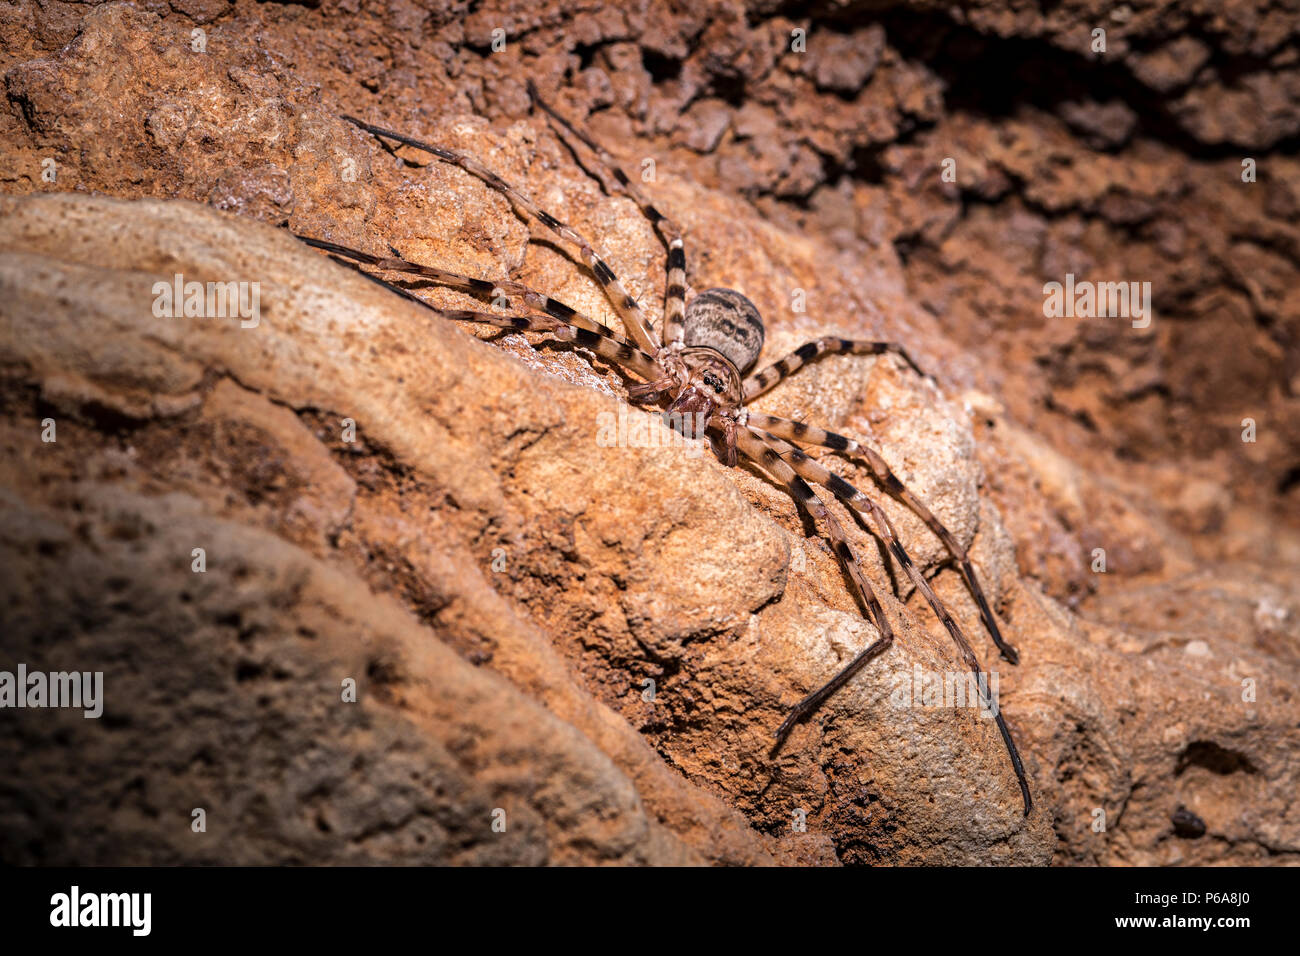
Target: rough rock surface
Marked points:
498	583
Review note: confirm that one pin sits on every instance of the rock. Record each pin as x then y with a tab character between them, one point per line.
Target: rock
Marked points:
1172	65
595	644
1104	126
844	62
704	124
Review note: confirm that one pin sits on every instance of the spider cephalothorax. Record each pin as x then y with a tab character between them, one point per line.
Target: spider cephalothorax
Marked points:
722	336
698	367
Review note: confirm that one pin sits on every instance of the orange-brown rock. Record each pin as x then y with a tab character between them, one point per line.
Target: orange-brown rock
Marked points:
592	643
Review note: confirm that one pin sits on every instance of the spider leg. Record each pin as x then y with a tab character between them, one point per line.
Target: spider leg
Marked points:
760	382
756	449
628	311
609	346
798	431
544	303
675	290
817	473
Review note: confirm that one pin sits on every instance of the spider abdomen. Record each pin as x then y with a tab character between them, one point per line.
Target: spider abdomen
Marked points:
727	322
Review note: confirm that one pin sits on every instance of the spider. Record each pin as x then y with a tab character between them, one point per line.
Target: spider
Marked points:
700	368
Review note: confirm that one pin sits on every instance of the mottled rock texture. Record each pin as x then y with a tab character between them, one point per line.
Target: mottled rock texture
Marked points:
500	584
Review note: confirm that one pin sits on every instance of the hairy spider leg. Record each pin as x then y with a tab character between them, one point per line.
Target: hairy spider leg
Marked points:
760	382
544	303
674	329
754	447
813	471
594	337
628	311
808	434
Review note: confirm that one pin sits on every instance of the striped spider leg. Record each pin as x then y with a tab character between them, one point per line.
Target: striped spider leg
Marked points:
762	453
777	372
809	435
564	322
628	311
510	287
674	329
814	471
